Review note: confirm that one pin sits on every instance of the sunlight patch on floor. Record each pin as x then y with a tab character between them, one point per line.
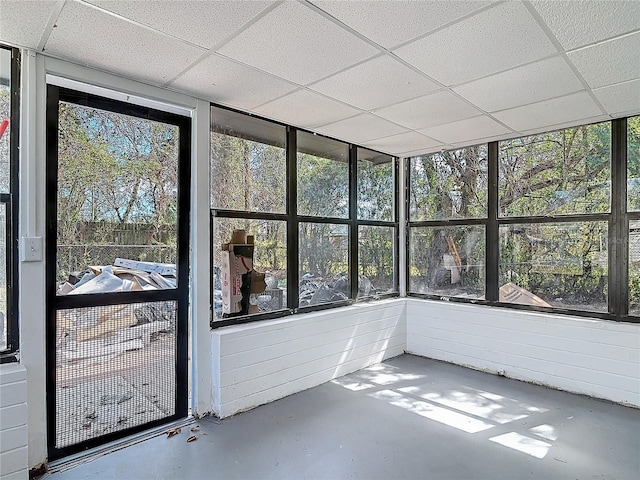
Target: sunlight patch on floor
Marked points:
439	414
385	375
352	385
524	444
483	404
545	431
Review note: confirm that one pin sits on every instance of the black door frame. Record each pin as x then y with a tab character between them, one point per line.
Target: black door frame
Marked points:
180	295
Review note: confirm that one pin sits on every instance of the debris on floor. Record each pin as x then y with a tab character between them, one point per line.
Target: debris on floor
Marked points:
100	406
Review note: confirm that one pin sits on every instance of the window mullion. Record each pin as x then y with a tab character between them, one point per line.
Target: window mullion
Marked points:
353	222
619	223
492	235
293	229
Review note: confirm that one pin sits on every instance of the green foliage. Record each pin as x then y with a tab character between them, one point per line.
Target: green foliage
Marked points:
633	162
563	172
375	191
634	290
376	252
117	186
323	186
323	250
450	184
556	173
433	256
5	114
254	176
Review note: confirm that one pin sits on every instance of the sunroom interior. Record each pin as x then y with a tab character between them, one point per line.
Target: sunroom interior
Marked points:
452	180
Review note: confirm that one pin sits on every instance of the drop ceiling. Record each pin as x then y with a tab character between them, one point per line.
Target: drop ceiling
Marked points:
401	77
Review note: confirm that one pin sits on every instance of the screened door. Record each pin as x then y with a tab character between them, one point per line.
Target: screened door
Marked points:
117	269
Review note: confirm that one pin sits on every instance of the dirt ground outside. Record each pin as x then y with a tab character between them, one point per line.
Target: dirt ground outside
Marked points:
120	378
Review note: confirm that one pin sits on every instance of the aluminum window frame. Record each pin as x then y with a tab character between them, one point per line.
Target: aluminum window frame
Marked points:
618	219
11	202
293	220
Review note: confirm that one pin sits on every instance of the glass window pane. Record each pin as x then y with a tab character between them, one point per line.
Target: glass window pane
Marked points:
555	264
376	272
556	173
633	164
447	261
5	118
117	198
450	184
3	279
375	186
269	258
248	163
324	263
634	268
323	176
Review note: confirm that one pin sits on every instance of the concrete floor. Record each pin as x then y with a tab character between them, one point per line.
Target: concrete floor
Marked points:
408	418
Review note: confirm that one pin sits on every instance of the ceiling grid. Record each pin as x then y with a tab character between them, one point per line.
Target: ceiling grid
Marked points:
402	77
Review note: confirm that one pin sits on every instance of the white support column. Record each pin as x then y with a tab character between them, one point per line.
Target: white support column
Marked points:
201	370
31	223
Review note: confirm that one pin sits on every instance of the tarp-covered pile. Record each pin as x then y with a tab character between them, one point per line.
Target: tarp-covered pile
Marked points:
123	276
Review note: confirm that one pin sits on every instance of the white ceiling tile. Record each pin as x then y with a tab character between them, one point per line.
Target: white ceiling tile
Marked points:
415	153
609	62
528	84
203	22
361	128
403	142
620	98
481	141
224	81
465	130
295	42
87	35
306	109
496	39
433	109
392	23
578	23
574	123
378	82
573	107
23	23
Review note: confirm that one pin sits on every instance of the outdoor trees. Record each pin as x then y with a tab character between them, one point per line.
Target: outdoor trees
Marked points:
376	201
633	205
5	115
117	188
567	172
5	184
254	180
445	186
323	191
547	185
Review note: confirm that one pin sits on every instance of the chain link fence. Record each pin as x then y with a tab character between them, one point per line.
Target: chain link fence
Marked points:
77	258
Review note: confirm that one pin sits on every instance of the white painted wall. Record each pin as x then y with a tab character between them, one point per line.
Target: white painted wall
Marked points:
588	356
257	363
13	422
